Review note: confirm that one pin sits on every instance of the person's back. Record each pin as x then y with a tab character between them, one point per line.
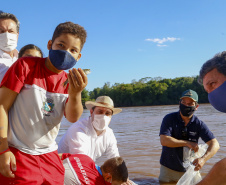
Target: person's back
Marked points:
81	170
82	167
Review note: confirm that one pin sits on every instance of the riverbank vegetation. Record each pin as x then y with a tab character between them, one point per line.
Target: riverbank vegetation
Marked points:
148	91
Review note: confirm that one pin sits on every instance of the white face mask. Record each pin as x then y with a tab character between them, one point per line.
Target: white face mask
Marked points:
101	121
8	41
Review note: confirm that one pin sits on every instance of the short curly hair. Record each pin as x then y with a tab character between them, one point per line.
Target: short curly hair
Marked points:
71	28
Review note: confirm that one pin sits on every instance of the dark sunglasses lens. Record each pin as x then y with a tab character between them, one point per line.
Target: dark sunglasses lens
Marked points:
184	133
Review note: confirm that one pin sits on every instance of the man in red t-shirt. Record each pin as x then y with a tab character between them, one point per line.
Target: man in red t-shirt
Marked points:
81	169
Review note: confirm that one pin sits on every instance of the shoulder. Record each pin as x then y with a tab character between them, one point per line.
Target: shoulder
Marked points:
109	133
29	62
80	158
80	125
197	120
171	116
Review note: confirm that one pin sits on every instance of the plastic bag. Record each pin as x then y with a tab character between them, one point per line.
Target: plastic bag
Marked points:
191	177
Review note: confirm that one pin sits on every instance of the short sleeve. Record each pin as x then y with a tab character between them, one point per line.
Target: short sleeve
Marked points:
14	77
166	128
205	133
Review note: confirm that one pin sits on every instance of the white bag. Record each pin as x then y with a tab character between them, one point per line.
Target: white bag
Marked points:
191	177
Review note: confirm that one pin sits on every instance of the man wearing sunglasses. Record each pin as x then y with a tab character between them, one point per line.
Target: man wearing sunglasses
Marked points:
181	129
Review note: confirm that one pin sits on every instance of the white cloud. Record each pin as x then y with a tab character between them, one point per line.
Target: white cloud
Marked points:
163	40
161	45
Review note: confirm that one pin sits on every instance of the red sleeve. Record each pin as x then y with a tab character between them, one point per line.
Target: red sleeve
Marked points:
65	155
14	77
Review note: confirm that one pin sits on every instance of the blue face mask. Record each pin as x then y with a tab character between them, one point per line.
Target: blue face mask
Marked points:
61	59
217	98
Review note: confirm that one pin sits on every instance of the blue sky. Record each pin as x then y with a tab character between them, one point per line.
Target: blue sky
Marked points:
127	39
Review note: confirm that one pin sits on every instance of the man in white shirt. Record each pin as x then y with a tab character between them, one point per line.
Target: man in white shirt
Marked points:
9	32
92	136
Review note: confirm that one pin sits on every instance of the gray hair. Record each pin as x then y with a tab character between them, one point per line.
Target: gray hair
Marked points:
217	62
4	15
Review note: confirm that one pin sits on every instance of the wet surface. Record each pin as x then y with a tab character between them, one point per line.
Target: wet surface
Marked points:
137	133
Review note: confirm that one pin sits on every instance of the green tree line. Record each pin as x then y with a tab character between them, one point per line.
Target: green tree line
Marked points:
148	91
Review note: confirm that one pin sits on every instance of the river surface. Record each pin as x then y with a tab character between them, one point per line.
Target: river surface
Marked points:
137	133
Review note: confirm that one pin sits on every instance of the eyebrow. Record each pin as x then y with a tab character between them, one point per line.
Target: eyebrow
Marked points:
65	43
210	81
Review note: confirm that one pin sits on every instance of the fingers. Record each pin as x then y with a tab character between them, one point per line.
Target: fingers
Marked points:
198	167
7	160
77	79
196	148
13	163
198	163
72	78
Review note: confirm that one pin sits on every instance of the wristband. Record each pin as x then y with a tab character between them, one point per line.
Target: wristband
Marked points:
4	151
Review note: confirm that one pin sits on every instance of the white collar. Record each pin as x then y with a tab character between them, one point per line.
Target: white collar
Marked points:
7	56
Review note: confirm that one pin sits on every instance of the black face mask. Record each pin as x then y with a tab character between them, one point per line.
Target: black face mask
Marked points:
187	110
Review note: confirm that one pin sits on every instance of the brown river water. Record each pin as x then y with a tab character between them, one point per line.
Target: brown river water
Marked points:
137	133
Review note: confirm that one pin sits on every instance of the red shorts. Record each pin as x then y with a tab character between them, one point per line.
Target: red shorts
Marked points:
45	169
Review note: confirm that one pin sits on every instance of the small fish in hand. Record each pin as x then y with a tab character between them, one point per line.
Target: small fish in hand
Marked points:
86	71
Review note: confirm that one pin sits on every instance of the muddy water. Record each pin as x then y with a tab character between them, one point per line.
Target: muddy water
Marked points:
137	133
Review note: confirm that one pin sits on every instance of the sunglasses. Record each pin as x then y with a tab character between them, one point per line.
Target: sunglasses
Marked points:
184	133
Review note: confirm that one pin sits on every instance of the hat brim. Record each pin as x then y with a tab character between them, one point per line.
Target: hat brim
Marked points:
89	105
189	97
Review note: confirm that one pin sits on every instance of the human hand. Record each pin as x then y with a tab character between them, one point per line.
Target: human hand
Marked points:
194	146
7	160
77	81
198	163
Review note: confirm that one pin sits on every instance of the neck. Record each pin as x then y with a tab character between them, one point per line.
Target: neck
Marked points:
98	131
185	118
9	52
50	66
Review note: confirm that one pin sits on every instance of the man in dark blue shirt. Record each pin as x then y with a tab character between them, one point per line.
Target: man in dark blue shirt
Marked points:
180	129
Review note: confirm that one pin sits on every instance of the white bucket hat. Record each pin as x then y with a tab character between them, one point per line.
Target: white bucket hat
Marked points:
103	101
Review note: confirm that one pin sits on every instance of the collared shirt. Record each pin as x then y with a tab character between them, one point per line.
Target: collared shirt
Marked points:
81	138
6	61
172	126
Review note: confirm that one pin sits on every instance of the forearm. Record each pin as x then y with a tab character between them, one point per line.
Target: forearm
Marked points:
217	175
212	149
172	142
74	108
3	129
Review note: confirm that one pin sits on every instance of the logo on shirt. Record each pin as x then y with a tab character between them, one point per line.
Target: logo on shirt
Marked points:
192	133
82	170
47	107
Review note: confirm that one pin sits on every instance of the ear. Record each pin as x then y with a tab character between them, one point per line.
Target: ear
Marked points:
79	56
197	107
108	177
91	111
49	45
